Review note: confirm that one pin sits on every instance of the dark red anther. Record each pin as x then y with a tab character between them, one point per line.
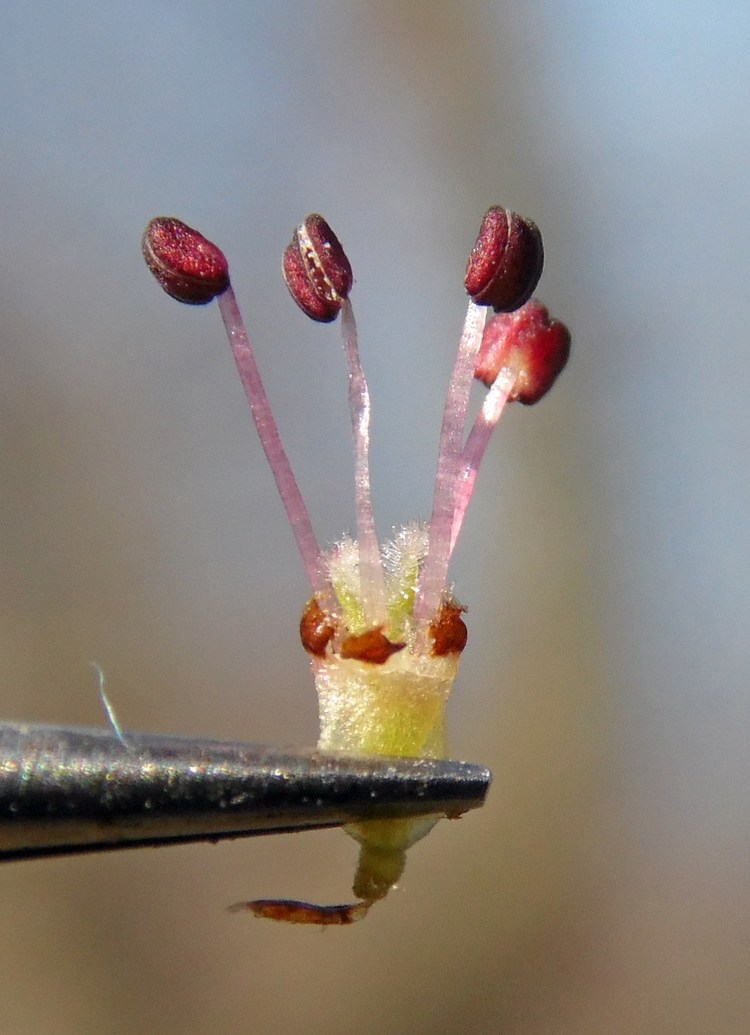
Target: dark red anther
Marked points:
506	261
528	343
188	267
316	270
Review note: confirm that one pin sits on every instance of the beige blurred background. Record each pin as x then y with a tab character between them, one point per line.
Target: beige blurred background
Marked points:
604	887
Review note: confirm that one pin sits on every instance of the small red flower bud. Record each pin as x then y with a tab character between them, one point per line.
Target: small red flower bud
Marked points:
533	347
316	270
188	267
506	261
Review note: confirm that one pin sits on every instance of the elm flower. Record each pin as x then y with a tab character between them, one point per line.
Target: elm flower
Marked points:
382	628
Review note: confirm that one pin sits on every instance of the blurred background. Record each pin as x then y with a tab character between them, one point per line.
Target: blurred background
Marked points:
604	887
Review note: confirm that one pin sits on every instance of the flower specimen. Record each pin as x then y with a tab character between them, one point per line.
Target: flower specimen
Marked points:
382	628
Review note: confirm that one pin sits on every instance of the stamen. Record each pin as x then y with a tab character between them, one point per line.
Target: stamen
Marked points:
520	357
435	572
372	583
278	460
476	445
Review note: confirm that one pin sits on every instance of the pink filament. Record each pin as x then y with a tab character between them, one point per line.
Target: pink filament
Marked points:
476	445
372	586
435	572
278	461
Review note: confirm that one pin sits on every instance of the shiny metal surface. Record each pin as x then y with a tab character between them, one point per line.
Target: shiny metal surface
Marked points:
66	789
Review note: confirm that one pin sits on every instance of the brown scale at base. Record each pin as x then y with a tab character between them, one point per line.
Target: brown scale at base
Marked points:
317	629
291	911
377	874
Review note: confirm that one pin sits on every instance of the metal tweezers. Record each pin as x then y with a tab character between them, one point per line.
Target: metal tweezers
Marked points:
66	789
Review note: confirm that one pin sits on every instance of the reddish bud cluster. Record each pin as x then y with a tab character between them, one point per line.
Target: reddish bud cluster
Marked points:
533	347
316	270
188	267
506	261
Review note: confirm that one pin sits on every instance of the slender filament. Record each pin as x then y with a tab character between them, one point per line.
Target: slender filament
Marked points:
372	584
476	445
435	572
278	460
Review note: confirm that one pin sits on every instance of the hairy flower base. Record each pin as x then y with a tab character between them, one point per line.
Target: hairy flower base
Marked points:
392	705
382	690
389	701
397	708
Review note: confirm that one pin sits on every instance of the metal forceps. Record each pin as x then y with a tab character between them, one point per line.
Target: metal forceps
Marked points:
67	789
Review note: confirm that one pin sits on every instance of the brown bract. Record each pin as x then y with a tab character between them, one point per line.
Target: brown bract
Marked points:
316	629
529	344
187	265
316	270
506	261
448	631
291	911
373	646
